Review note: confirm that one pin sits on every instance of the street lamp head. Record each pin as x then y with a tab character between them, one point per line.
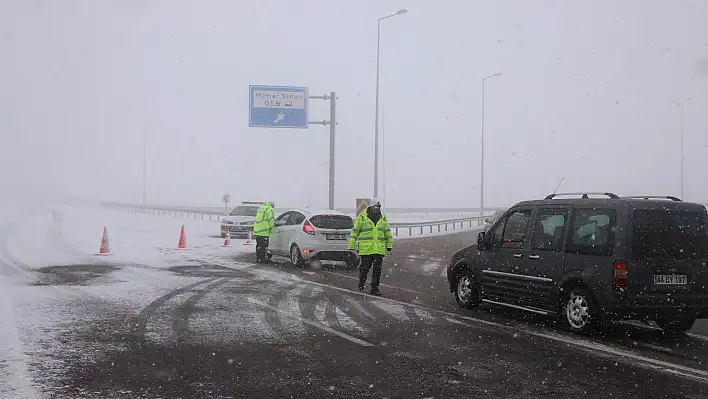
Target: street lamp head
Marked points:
492	76
401	11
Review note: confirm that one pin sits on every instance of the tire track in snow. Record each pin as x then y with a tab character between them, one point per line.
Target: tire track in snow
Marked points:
180	324
348	315
331	316
381	317
308	302
140	321
272	317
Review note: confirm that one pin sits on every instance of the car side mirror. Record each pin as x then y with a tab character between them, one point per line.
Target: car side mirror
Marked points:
486	220
480	241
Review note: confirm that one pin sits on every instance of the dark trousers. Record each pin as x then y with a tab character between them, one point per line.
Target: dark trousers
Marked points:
262	249
367	261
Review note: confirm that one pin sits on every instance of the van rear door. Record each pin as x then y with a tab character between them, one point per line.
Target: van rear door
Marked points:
668	249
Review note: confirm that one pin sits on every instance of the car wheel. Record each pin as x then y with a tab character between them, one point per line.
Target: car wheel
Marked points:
223	235
579	312
296	256
466	291
676	326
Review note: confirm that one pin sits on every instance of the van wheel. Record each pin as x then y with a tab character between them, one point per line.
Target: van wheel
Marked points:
579	312
295	256
676	326
466	290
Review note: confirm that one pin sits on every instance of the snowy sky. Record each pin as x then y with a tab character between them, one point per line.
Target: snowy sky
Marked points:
586	94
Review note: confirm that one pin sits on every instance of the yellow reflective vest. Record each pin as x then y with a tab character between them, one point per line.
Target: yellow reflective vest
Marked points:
373	239
265	221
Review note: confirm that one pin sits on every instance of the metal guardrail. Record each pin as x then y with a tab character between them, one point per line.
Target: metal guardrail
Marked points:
396	227
479	220
220	210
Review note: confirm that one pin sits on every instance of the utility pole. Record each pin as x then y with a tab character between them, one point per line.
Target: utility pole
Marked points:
332	122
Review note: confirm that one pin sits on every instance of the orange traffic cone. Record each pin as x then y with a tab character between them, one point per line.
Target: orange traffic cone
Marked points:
105	247
249	239
182	239
227	241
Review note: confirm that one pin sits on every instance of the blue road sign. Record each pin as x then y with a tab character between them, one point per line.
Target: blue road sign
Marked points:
278	107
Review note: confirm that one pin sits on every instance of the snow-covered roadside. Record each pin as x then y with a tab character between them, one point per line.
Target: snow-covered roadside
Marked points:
65	235
38	322
15	378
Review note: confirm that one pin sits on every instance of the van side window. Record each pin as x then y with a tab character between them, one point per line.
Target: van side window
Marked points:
515	229
549	230
496	235
592	232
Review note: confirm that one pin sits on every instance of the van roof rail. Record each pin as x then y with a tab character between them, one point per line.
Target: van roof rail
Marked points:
646	197
583	195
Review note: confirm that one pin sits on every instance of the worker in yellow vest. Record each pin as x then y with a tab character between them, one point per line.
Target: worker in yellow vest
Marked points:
373	236
262	229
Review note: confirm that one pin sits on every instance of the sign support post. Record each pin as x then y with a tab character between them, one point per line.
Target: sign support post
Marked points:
332	122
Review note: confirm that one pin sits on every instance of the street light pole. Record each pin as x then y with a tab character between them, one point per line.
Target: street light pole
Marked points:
680	105
376	118
682	157
144	170
481	179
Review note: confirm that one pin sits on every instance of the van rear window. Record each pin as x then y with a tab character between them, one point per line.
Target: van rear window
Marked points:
660	234
332	221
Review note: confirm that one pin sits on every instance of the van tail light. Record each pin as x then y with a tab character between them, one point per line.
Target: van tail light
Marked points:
307	228
619	275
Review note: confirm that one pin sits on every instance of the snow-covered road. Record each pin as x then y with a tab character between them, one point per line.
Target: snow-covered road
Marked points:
150	320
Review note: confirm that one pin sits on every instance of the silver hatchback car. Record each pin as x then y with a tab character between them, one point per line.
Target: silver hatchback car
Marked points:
304	236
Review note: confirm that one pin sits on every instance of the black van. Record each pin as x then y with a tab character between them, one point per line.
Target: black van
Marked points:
592	260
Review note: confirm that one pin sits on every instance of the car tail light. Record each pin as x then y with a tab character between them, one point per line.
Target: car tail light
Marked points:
619	274
307	228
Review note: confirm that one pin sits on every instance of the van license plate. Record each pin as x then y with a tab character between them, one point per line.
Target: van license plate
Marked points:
336	237
670	279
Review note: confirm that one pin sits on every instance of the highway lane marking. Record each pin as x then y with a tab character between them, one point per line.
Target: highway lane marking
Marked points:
312	323
663	365
454	321
697	336
382	284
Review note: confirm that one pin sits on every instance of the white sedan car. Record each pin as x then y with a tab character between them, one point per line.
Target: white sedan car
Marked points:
304	236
